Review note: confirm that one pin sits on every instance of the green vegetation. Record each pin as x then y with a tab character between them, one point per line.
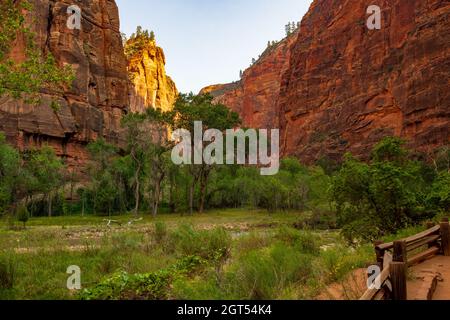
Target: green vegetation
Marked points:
291	27
28	179
138	41
235	254
24	79
277	243
23	215
391	192
254	237
366	200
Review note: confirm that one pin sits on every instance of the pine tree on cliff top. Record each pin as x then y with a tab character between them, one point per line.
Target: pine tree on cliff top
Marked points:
138	41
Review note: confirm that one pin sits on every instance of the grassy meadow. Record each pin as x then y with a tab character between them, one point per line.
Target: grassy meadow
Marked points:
231	254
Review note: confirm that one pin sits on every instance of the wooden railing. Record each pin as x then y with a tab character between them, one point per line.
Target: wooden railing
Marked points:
394	258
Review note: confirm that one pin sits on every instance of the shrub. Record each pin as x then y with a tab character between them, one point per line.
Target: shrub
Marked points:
381	197
253	241
305	242
264	274
321	220
208	244
23	215
127	242
7	273
198	289
340	261
149	286
160	231
152	286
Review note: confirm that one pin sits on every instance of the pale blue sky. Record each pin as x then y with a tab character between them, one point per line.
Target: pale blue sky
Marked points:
209	41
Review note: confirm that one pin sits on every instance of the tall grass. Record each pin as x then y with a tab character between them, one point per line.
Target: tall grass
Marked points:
208	244
7	273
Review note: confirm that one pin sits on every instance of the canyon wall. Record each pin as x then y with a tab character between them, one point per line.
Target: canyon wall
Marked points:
344	87
255	96
98	98
101	93
347	86
151	87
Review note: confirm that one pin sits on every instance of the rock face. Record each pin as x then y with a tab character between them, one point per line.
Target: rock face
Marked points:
98	99
255	96
347	86
344	86
101	93
151	87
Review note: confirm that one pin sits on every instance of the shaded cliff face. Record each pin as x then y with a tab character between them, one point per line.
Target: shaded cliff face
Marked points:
338	87
346	86
255	96
151	87
98	99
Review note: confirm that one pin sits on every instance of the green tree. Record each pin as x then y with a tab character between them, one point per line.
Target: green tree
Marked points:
138	143
26	78
189	109
23	215
106	184
158	152
287	29
390	149
138	41
439	197
10	173
381	197
46	169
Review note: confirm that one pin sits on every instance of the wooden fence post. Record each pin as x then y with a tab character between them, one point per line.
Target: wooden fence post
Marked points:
400	252
379	253
398	272
445	237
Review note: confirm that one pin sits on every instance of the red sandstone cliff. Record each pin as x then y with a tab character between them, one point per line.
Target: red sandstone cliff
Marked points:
255	96
347	86
99	96
344	87
101	93
151	87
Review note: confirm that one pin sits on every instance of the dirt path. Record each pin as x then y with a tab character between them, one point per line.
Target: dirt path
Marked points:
351	288
430	280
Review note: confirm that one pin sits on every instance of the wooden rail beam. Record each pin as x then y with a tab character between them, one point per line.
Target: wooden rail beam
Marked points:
421	257
431	241
419	236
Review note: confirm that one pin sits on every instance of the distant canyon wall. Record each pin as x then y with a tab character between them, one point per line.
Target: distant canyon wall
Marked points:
338	87
256	95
